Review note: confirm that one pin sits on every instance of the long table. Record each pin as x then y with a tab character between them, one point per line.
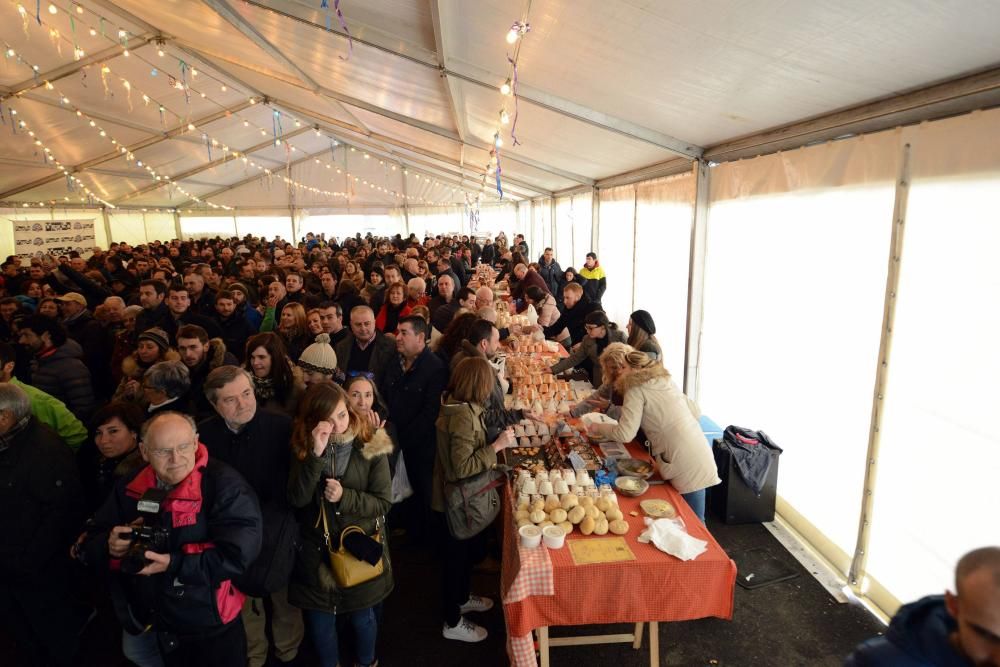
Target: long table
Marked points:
652	588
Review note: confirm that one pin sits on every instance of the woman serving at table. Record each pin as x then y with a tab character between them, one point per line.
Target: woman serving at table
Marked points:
670	421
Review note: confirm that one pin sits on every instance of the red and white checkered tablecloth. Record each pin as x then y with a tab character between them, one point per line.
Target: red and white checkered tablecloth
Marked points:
524	573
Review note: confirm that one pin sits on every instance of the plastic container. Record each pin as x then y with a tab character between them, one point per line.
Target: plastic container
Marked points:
553	536
531	536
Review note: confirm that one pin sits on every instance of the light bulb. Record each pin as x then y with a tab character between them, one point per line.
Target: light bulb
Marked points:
223	88
125	53
53	9
79	9
512	36
505	88
160	53
246	123
93	32
10	53
504	117
498	142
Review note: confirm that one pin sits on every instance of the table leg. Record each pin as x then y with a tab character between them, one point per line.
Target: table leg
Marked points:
543	645
654	644
637	644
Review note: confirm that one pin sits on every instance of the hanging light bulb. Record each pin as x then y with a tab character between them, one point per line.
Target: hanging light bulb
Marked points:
504	116
93	32
53	9
11	53
512	35
79	9
497	141
125	53
223	88
160	53
505	88
246	123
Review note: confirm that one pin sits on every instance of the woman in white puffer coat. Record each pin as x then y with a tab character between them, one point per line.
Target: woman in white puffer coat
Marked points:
670	421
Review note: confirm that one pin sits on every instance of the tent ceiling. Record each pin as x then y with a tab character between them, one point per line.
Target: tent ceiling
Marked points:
606	88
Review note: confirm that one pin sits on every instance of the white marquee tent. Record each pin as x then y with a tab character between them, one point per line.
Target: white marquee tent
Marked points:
745	170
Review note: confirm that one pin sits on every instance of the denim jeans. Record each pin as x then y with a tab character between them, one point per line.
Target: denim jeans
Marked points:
323	630
696	500
142	650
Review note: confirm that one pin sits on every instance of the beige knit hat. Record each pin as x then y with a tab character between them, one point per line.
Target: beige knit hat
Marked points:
319	357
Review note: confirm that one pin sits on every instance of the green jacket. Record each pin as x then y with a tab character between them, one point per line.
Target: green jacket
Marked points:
52	412
462	450
367	497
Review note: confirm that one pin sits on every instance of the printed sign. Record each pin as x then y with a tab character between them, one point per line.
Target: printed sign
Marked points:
34	238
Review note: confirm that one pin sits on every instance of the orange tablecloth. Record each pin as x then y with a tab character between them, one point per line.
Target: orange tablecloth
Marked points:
654	587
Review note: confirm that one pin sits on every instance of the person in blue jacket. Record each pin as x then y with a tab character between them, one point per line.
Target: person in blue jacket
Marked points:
960	629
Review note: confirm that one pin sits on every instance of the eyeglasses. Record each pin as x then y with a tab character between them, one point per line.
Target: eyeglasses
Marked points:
164	454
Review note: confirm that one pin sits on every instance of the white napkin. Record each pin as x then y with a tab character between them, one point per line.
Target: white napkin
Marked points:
670	536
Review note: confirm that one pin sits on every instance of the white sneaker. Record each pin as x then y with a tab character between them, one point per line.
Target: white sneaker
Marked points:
476	603
465	631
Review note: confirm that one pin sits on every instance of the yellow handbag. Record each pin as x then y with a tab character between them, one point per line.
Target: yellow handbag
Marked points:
348	570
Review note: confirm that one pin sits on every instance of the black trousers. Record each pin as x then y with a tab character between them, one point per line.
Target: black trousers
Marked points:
457	560
226	648
43	616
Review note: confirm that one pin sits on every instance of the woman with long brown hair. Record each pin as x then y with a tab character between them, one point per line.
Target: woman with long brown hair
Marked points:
462	452
451	338
339	468
277	384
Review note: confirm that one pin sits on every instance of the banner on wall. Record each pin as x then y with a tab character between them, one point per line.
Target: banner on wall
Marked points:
33	238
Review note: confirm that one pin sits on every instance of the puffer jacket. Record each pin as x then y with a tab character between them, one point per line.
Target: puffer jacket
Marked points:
670	421
215	534
589	350
462	449
61	372
366	500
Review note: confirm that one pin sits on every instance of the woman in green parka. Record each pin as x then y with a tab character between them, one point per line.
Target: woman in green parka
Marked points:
341	463
462	451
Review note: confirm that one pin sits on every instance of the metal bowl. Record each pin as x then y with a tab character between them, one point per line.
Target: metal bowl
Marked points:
635	468
630	486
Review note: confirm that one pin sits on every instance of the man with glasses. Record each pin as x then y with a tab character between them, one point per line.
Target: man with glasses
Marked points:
207	526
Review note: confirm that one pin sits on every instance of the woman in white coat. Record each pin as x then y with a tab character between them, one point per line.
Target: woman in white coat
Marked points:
669	419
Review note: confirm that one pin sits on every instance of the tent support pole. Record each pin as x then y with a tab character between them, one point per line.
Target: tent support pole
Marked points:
406	202
107	224
595	219
696	281
635	237
177	225
552	226
858	564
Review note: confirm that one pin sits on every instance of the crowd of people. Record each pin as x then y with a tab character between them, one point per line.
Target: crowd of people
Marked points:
207	437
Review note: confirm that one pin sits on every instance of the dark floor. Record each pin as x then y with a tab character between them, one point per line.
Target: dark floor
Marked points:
789	624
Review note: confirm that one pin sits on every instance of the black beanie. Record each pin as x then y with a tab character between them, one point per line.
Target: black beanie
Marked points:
644	320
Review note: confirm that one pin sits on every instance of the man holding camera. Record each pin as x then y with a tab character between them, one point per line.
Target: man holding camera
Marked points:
173	536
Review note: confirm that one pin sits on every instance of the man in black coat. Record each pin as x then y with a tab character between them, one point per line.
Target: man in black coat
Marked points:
576	307
366	350
412	389
255	443
43	505
179	313
96	341
232	319
210	524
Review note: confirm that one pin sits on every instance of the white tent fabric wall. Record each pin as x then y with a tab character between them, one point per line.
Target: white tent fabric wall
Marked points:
616	251
573	229
266	227
540	234
665	209
939	457
207	227
795	274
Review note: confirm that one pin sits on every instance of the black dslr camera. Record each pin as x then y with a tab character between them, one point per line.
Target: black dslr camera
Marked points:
150	536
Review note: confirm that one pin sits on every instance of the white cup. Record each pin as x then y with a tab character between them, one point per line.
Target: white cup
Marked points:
560	487
553	536
529	487
531	536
